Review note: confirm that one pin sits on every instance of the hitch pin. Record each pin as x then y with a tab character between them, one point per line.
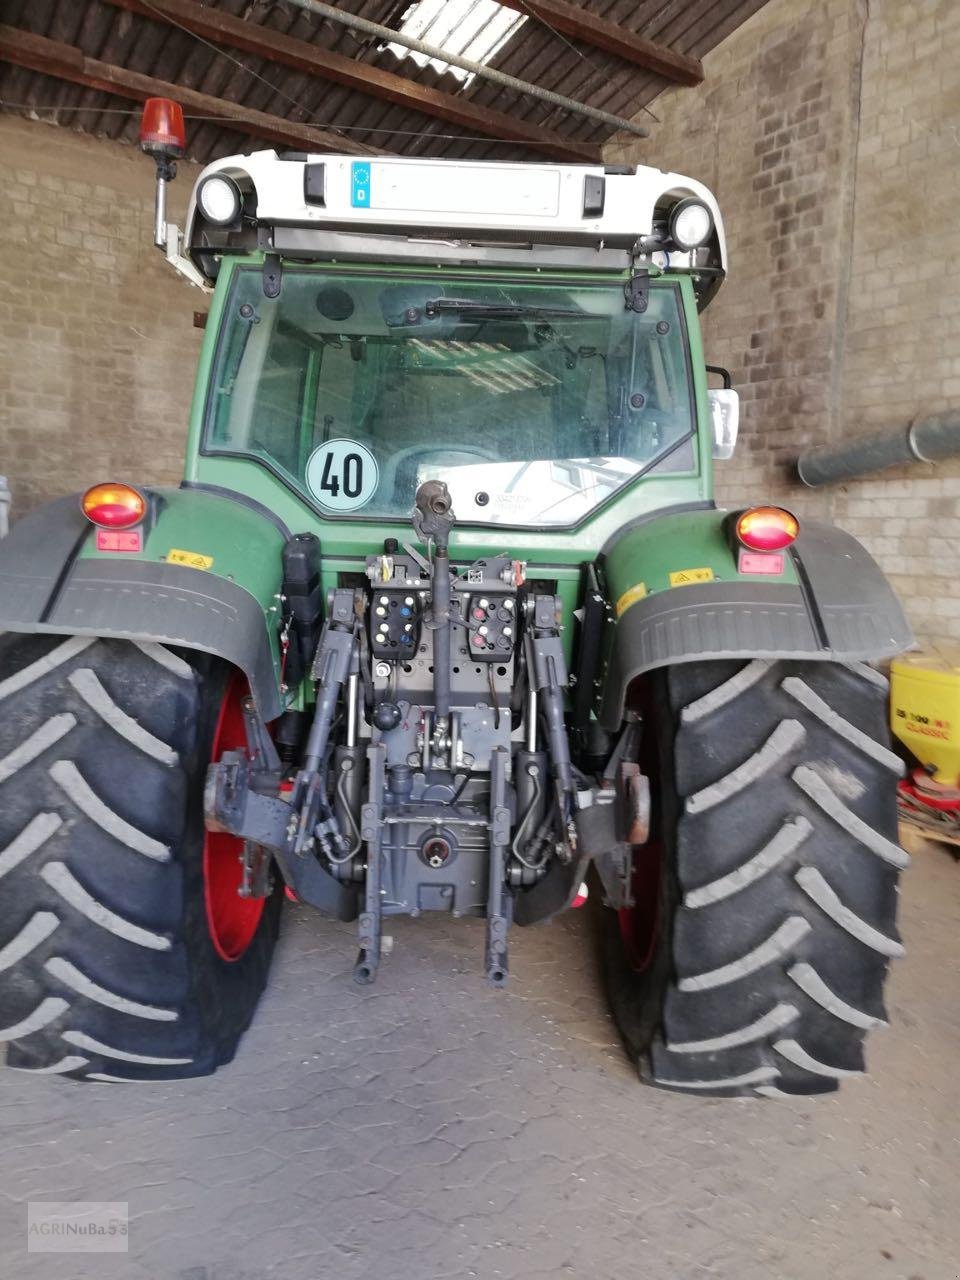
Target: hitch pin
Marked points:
427	723
532	720
352	682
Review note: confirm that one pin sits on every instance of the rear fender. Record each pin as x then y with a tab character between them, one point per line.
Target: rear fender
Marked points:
677	595
208	578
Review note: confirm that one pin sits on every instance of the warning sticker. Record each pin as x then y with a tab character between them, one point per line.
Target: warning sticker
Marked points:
686	577
193	559
631	597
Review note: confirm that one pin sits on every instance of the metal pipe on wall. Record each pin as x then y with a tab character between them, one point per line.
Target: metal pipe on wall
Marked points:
928	439
389	35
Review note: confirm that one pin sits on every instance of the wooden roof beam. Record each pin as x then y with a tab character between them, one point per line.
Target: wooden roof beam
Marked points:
275	46
66	62
590	29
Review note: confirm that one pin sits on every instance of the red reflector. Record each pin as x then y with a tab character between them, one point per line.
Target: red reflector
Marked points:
162	132
119	540
760	562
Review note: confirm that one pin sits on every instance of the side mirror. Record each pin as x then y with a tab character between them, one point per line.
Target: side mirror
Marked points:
724	414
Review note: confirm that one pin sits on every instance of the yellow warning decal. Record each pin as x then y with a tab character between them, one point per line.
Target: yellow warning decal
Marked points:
631	597
685	577
193	559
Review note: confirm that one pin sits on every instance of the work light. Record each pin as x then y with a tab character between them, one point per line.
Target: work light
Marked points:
690	224
219	199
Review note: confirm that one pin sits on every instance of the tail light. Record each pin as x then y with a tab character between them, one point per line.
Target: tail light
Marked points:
767	528
114	506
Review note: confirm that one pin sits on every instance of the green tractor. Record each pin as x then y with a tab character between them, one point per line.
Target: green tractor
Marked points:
443	617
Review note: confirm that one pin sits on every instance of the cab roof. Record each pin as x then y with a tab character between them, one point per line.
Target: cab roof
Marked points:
324	206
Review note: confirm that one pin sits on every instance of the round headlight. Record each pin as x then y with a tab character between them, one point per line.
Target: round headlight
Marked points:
219	199
690	224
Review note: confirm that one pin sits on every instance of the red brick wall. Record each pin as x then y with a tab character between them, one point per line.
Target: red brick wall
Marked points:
97	345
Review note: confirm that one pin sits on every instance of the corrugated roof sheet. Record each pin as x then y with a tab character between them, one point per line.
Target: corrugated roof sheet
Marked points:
535	53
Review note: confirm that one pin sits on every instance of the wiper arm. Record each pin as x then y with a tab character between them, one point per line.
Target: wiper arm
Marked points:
468	306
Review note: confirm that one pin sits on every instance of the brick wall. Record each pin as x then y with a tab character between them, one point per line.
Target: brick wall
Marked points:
97	344
829	132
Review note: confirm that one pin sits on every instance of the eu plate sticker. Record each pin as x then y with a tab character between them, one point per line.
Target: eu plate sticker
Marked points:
360	184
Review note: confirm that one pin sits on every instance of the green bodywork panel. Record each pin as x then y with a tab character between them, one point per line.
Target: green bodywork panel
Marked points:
244	546
693	546
640	563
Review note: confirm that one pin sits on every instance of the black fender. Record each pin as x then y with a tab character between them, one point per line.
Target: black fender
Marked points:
839	607
47	587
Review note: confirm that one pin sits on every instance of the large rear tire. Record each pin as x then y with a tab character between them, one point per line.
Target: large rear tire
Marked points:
774	865
123	955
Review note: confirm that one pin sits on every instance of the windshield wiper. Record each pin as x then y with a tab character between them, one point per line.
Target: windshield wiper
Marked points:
468	306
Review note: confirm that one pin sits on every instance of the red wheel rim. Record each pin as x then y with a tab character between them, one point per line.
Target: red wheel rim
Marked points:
231	920
638	924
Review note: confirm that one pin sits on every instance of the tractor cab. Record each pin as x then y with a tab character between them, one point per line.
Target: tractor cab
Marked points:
527	333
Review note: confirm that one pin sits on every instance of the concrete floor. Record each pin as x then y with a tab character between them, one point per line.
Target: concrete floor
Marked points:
432	1128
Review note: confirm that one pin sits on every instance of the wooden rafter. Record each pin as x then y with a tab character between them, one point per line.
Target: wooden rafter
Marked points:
66	62
589	28
277	47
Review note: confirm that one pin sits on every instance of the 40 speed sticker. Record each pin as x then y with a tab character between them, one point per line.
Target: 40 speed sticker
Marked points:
342	475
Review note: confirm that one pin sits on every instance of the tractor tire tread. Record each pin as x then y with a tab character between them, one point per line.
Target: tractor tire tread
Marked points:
781	917
107	969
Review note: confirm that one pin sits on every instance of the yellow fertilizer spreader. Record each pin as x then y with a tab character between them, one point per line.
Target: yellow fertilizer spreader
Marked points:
925	716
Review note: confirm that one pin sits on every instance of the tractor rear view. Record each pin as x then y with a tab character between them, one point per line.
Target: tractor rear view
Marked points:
443	617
